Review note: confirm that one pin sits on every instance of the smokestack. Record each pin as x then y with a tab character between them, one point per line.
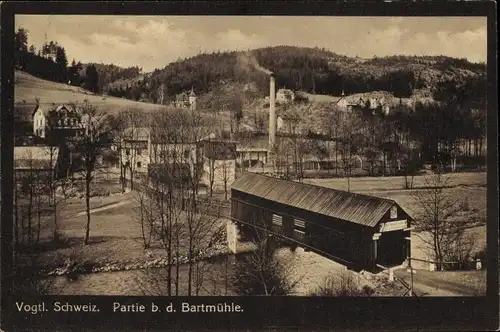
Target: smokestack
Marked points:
272	113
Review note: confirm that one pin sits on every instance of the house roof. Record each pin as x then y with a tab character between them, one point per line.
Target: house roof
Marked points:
24	112
136	133
35	157
356	208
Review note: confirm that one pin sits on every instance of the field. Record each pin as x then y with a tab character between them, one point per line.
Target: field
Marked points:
470	187
28	87
115	238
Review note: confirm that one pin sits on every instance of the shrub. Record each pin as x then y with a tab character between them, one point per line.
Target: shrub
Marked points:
341	284
261	273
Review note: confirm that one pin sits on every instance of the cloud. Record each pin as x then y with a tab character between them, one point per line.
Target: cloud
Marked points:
395	40
234	39
154	41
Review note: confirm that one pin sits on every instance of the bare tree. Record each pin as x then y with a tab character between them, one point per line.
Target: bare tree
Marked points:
200	226
144	214
227	169
131	141
440	228
350	141
90	145
262	273
331	121
161	93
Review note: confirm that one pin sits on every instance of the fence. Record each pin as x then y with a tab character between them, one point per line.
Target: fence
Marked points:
447	266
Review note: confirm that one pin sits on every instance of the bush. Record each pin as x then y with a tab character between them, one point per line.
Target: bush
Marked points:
261	273
342	284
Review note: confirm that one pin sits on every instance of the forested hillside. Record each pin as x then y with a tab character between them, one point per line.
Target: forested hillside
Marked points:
312	70
51	63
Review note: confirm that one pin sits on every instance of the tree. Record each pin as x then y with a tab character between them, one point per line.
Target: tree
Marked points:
62	64
331	121
92	79
129	132
262	273
161	94
349	143
200	226
21	40
438	223
90	145
74	72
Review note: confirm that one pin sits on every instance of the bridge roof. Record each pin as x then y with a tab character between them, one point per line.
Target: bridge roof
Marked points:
356	208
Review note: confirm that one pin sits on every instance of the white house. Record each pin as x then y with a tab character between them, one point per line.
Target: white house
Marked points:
40	116
134	149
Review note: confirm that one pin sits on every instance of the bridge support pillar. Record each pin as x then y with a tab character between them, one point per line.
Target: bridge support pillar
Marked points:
232	235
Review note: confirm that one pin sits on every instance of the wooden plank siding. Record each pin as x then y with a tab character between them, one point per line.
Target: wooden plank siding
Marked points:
341	239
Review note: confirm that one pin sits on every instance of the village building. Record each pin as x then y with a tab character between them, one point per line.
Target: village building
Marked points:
38	163
186	100
134	149
61	121
358	231
285	96
219	164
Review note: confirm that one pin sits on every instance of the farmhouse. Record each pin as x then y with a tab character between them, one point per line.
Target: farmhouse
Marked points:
356	230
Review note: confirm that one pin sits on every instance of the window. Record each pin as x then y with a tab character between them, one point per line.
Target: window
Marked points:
186	154
394	212
277	220
127	152
139	164
300	224
139	152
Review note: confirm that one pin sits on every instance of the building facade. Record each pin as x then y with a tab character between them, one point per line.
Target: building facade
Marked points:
186	100
219	164
60	121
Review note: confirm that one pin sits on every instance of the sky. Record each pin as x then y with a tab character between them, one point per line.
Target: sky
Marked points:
154	41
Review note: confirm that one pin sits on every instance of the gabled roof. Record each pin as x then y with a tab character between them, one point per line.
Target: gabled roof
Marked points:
356	208
35	157
45	110
136	134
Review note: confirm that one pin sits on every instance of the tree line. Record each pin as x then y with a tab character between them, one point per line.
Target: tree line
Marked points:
312	70
50	62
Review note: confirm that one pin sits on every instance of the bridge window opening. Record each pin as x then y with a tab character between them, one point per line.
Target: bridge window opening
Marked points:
277	220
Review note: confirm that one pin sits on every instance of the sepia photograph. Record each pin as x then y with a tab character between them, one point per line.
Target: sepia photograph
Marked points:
250	156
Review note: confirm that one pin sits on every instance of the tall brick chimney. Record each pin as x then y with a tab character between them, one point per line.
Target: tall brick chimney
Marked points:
272	113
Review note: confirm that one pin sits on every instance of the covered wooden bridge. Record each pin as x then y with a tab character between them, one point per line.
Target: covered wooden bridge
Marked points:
359	231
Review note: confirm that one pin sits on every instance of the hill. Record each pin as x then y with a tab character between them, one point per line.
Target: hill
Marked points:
28	87
313	70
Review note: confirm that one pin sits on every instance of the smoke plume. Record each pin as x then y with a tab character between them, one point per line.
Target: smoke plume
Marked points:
247	62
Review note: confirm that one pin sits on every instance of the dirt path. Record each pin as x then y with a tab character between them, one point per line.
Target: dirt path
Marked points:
103	208
431	284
